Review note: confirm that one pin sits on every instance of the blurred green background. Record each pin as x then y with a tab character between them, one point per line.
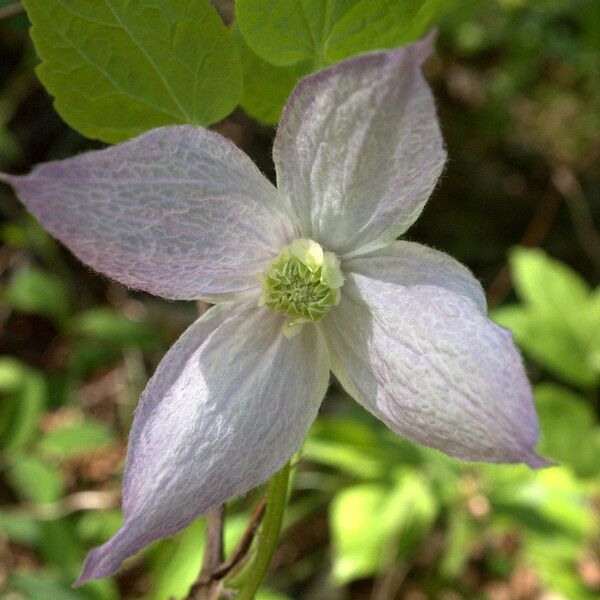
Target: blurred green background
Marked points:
372	517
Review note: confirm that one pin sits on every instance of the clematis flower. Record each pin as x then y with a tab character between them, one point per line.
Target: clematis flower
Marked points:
306	278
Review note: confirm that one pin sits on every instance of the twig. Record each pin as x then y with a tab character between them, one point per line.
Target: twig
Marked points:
11	10
207	587
213	572
213	553
566	183
241	550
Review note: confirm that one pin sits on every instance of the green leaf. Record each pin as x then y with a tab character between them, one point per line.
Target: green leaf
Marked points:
550	502
177	563
460	534
552	342
370	520
592	316
34	480
41	587
354	447
570	432
117	68
558	324
97	526
269	595
75	440
20	528
557	528
102	589
381	24
24	396
286	32
32	290
59	545
110	326
323	32
266	86
85	358
547	283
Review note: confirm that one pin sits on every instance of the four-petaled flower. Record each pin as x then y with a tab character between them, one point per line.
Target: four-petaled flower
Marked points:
306	278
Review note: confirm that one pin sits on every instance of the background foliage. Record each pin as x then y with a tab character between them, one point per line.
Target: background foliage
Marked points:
372	516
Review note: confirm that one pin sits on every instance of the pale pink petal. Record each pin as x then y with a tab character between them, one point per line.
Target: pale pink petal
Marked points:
358	149
424	359
227	407
407	263
180	212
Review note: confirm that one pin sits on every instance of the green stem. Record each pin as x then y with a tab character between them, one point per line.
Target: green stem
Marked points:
268	535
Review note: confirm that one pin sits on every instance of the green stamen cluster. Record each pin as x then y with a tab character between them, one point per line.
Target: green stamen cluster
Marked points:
304	283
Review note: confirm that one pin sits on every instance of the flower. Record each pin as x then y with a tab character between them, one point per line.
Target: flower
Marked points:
306	278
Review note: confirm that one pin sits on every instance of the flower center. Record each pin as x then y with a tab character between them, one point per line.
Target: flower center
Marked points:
303	282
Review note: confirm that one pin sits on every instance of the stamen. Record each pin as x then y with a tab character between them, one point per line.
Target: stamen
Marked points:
304	283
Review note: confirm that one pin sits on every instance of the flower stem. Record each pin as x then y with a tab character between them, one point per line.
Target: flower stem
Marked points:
268	535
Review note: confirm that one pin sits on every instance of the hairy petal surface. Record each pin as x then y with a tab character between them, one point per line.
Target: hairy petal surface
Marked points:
407	264
426	361
179	212
358	149
227	407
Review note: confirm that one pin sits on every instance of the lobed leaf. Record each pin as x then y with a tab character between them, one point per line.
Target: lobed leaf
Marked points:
286	32
382	24
266	86
117	68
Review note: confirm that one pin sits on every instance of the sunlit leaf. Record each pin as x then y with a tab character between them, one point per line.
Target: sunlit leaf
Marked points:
34	480
551	341
76	439
23	393
547	283
19	528
558	324
176	563
117	68
570	432
113	327
43	587
32	290
60	546
460	534
354	447
554	498
98	526
559	503
369	521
